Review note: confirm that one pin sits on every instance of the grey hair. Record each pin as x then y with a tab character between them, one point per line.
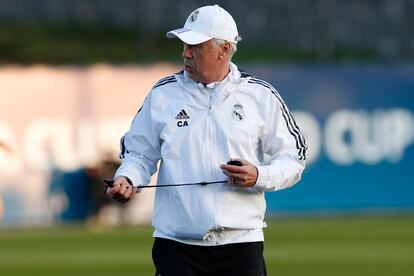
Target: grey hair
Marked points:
233	50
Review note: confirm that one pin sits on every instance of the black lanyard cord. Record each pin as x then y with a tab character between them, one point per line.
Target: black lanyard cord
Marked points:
110	183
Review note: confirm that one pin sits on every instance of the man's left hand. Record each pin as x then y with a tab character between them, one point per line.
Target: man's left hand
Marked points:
241	176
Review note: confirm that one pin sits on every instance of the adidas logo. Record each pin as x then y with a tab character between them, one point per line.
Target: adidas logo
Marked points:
182	115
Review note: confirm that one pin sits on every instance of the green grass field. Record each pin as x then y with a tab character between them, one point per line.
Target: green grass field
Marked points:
313	246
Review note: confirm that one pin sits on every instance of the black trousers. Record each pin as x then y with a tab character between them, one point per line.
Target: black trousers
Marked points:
173	258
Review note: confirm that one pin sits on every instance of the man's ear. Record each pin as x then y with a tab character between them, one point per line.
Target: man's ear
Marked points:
225	49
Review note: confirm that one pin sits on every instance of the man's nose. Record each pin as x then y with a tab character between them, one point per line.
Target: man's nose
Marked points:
187	52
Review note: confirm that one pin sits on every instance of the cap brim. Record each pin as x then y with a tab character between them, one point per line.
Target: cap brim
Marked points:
188	36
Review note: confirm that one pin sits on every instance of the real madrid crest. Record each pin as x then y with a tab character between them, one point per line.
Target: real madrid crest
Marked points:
193	16
238	114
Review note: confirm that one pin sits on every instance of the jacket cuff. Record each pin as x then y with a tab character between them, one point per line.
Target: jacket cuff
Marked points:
128	180
261	178
130	176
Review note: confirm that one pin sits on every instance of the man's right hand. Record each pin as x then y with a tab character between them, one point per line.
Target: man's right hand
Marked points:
121	190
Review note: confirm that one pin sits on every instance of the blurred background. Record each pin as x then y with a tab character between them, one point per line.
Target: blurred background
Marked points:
74	73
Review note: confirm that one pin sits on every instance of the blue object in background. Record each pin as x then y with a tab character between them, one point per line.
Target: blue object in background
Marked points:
77	188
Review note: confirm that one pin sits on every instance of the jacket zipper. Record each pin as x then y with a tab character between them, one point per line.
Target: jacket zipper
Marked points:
212	158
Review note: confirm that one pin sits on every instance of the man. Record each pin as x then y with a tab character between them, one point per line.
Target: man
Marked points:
194	122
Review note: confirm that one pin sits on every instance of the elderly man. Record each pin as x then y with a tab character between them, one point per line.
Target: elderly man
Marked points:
194	122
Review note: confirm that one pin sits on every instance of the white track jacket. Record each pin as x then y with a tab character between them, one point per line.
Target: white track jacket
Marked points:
191	130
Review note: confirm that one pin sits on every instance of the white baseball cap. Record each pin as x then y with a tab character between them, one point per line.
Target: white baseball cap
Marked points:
206	23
